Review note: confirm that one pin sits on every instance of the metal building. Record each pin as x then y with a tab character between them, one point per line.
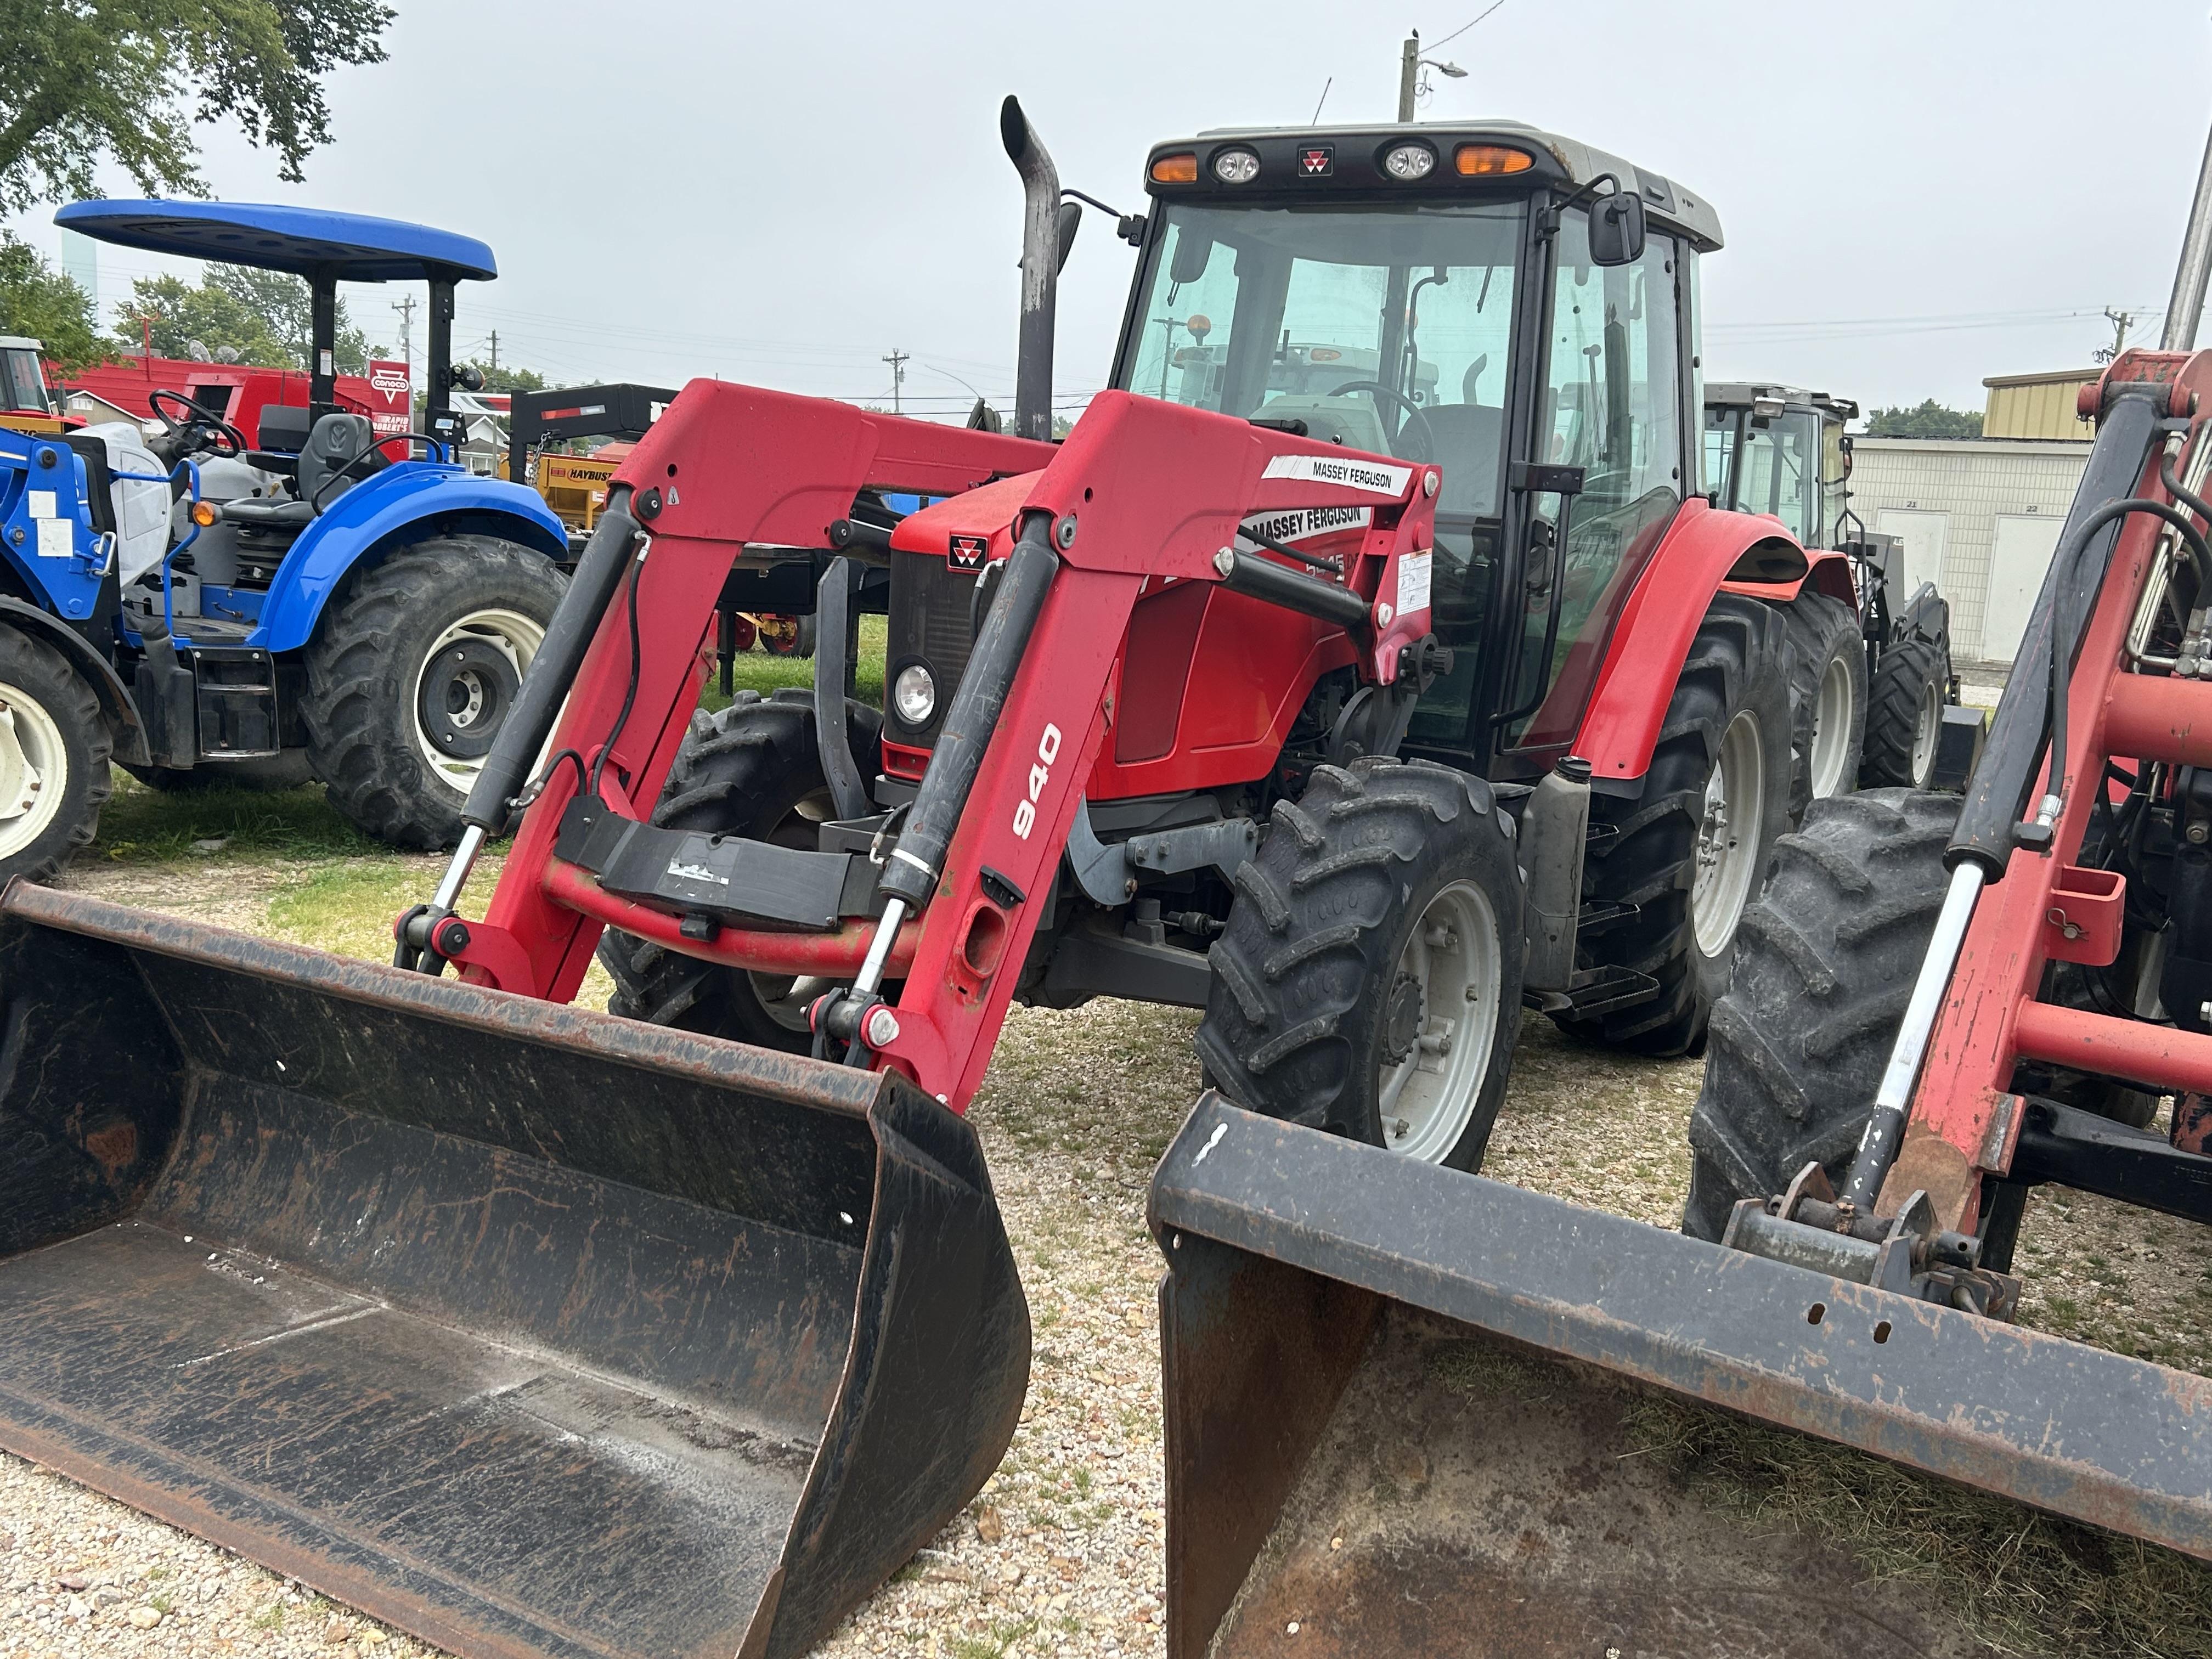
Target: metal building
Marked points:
2038	405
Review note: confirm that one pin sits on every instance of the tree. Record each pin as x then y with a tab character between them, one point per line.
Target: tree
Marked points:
265	317
508	379
1930	420
129	79
38	300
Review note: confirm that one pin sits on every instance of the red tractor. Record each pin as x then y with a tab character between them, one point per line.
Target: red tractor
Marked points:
1365	667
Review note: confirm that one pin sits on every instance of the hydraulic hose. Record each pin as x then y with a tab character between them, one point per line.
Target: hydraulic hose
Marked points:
553	670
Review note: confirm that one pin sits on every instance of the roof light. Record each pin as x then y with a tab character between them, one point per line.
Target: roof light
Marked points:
1181	169
1236	166
1479	160
1407	162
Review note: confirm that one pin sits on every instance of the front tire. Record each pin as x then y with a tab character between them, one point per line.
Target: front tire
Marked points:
54	753
752	770
1368	979
1827	961
412	673
1686	855
1904	716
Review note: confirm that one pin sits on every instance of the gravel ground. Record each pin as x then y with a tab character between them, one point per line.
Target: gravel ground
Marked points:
1061	1554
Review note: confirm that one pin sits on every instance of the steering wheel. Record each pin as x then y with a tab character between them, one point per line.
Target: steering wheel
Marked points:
1395	396
198	429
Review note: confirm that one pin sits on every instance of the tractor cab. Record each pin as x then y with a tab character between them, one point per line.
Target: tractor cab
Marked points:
1506	303
1781	450
26	404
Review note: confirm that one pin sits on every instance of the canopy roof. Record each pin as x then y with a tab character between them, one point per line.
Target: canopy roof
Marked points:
352	246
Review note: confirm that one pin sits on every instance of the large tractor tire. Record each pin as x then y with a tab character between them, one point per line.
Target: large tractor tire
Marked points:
1825	964
1369	981
54	751
1688	855
1904	716
412	673
1827	699
749	770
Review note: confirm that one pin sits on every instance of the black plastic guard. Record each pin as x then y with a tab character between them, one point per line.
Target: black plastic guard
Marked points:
1288	1248
530	1330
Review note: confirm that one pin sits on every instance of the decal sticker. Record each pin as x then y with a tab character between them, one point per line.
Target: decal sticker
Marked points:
1375	478
55	541
1297	524
42	503
969	552
1413	582
684	871
1040	774
1317	161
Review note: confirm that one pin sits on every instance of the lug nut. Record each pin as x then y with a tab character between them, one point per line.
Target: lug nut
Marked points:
883	1028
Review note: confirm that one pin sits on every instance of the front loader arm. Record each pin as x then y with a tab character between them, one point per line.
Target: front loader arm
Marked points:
1142	490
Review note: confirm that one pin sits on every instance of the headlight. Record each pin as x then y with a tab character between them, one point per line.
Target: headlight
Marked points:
1237	167
1407	162
913	694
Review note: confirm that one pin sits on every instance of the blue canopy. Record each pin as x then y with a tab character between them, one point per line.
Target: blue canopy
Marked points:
353	247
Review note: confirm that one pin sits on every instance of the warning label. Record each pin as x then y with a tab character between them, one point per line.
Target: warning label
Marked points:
1299	523
1413	582
1377	477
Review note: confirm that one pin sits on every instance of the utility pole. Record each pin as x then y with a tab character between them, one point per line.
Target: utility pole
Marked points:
1409	70
495	352
898	360
405	308
2121	321
2189	279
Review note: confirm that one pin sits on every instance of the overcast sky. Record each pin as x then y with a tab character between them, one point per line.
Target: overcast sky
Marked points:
1914	195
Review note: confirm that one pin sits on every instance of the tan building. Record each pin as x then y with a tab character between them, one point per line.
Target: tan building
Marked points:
2038	405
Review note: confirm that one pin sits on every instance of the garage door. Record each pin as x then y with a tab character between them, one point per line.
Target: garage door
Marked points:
2018	559
1923	533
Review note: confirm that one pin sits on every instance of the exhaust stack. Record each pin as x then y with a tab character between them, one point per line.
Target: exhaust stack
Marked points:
1040	269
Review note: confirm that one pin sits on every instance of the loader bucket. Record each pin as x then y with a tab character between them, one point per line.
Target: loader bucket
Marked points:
1401	1417
530	1330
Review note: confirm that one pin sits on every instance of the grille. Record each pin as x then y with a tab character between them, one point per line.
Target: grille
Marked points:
928	624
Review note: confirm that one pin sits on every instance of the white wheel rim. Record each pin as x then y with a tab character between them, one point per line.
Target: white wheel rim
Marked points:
1727	835
1925	724
1832	719
1448	977
516	637
33	769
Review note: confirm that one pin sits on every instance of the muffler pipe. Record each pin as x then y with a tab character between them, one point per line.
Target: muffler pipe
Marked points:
1040	269
522	738
910	872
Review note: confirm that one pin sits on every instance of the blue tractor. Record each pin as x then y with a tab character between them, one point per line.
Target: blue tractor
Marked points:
200	605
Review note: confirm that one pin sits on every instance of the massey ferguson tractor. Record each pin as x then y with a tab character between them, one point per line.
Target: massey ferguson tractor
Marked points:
1364	668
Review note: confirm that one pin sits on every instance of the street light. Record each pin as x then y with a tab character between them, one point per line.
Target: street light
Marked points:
1411	64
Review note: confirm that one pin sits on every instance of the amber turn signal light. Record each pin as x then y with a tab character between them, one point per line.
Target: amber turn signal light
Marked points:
1478	161
1177	169
205	513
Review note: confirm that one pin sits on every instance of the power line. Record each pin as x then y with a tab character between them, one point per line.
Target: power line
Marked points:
1437	45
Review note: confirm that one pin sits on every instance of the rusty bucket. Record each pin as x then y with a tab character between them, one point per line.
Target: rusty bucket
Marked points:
529	1330
1405	1412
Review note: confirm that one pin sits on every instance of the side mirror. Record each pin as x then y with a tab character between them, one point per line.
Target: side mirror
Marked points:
1071	221
1616	229
1191	254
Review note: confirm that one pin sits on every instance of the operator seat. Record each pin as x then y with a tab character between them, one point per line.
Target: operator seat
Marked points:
336	439
1466	439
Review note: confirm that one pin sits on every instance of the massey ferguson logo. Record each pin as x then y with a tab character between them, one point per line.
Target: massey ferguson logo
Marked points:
1317	161
969	552
389	380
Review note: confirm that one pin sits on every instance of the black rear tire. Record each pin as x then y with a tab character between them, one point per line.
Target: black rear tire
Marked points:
1321	999
1828	667
798	643
750	770
1733	691
379	665
1904	714
1826	961
55	729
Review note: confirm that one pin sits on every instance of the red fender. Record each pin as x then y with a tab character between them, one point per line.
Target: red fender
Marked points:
1652	637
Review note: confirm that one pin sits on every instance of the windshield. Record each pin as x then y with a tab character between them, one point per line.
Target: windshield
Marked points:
21	384
1385	329
1769	465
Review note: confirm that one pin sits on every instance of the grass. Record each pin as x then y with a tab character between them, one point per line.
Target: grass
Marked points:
756	670
143	825
2023	1582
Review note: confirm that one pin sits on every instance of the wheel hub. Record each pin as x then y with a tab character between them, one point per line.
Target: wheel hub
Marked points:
1401	1020
1433	1050
1725	862
21	781
468	681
